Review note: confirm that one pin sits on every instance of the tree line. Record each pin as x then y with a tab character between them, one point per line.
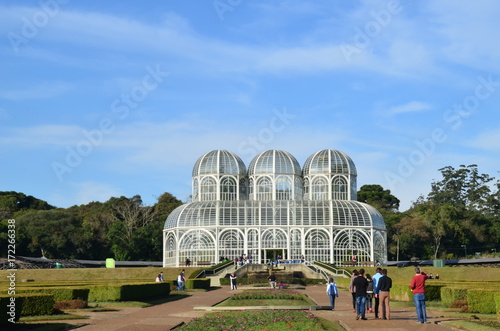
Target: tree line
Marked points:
123	228
461	213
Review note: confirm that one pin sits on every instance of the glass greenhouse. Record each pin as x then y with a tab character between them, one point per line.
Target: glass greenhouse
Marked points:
274	208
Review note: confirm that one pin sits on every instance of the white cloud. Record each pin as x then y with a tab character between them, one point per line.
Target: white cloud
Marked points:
36	136
486	140
42	91
409	107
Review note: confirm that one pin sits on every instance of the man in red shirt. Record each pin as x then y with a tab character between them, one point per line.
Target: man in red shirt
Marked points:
418	287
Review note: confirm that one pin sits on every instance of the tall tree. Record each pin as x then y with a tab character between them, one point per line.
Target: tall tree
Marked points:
376	196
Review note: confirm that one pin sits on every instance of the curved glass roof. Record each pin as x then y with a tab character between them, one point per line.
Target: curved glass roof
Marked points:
274	162
329	161
219	162
244	213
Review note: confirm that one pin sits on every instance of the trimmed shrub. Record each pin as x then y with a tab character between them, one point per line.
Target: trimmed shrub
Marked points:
451	294
497	304
144	291
433	292
202	283
128	292
10	310
480	301
401	293
63	293
35	304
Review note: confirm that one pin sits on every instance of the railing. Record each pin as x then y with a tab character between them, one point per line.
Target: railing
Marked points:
319	271
333	269
213	271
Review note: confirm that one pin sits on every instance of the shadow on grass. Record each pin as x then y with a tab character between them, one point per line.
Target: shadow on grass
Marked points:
41	327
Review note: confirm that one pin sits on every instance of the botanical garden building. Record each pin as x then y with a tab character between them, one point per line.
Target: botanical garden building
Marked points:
273	208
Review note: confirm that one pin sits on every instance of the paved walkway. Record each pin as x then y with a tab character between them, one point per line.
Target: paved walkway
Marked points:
168	315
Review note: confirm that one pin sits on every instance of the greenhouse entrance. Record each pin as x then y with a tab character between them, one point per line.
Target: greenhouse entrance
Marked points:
271	254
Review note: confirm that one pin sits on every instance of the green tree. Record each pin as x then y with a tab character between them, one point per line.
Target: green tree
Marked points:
376	196
52	233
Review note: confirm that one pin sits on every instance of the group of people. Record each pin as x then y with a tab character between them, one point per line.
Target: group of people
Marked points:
364	288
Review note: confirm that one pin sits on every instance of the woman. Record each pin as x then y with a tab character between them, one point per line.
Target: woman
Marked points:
369	293
332	291
232	279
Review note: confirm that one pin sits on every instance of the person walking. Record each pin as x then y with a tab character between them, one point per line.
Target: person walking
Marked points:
375	279
332	291
180	281
352	289
369	293
417	285
384	287
361	285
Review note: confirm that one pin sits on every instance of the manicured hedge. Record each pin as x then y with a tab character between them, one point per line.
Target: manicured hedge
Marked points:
401	292
62	293
201	283
497	304
451	294
128	292
481	301
26	304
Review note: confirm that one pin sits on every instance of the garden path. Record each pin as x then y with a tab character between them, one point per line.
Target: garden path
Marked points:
168	315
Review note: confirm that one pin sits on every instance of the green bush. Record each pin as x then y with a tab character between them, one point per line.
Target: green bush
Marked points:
62	293
10	310
26	304
433	292
481	301
451	294
401	292
497	304
128	292
202	283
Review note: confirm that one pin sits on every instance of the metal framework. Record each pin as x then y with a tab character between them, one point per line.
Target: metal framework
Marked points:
276	208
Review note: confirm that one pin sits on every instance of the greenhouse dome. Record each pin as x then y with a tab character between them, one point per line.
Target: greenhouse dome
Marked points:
276	208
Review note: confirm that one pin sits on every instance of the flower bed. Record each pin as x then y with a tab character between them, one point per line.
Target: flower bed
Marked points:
255	320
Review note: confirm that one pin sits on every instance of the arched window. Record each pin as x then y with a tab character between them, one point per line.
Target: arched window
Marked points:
306	189
264	189
283	188
228	188
231	244
317	245
319	189
195	190
339	188
197	245
208	189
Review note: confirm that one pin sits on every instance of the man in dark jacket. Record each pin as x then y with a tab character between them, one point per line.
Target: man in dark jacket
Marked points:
360	284
384	288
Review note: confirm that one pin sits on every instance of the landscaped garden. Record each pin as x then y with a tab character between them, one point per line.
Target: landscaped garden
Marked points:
256	320
267	297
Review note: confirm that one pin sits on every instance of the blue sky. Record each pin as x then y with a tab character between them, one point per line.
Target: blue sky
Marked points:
101	99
